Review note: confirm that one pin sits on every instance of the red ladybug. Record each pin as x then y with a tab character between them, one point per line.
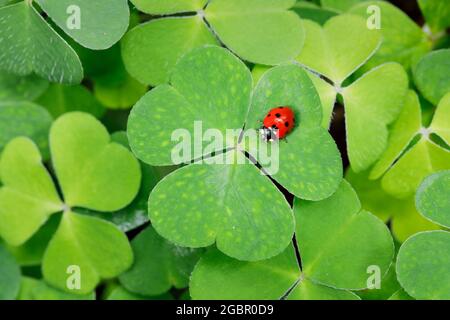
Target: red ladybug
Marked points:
278	123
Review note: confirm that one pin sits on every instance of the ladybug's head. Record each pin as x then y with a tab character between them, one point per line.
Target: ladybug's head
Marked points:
269	134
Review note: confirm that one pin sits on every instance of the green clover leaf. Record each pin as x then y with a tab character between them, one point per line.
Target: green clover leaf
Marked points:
33	289
219	95
28	196
420	270
93	173
263	22
339	48
91	184
217	204
9	275
432	198
403	40
437	14
367	132
97	247
431	75
301	164
158	265
406	162
37	47
59	99
97	31
24	119
344	45
327	93
325	231
151	50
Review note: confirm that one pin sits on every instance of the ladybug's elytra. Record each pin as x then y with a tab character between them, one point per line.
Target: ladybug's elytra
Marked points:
278	123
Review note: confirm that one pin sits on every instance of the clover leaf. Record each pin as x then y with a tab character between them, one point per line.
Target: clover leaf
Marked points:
432	198
97	247
28	196
431	75
24	119
97	31
217	204
403	40
327	93
208	84
344	45
325	231
408	161
263	23
93	173
9	275
42	50
212	85
60	99
250	28
34	289
339	48
301	164
422	272
39	49
84	164
158	265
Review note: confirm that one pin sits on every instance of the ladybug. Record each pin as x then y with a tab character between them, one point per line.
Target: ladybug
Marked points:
278	123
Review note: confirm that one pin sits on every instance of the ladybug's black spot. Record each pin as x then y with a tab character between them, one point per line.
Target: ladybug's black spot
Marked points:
286	124
278	115
281	107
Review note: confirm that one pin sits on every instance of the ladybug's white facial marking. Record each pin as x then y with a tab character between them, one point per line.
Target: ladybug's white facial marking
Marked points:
269	134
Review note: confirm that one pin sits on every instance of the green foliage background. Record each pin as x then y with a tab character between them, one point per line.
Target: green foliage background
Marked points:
87	180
